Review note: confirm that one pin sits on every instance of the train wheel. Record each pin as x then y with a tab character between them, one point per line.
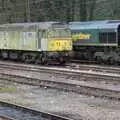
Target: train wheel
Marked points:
44	59
99	59
111	61
28	57
4	55
41	59
25	58
62	61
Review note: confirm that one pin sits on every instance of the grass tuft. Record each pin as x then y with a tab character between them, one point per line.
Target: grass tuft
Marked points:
9	90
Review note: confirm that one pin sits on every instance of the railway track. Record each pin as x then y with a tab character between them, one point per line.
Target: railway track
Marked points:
95	67
71	85
73	69
82	89
74	66
7	73
5	118
12	111
69	68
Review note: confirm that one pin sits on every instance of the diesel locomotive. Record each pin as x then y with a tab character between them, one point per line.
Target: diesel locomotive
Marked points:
96	40
35	42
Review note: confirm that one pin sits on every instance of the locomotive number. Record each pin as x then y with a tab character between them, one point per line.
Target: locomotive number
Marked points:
58	44
61	43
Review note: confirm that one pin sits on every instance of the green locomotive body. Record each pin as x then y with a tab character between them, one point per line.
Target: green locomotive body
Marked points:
97	40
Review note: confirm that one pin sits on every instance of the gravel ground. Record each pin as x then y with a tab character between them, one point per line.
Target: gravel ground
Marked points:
60	102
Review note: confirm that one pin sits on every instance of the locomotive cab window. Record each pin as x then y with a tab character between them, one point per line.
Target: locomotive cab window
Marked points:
59	32
107	37
103	37
112	37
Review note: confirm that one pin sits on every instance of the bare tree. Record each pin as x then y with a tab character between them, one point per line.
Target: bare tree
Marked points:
91	10
73	10
83	10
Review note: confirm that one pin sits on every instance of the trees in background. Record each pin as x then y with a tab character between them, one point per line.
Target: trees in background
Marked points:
58	10
92	7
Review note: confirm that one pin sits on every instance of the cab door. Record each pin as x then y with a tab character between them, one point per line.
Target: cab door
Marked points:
39	39
42	40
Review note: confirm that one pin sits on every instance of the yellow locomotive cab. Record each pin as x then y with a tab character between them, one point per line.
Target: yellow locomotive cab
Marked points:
59	40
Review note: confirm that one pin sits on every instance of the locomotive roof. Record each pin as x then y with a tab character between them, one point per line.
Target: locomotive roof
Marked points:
105	24
40	25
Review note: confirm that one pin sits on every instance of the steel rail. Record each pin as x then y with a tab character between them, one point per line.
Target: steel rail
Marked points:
42	115
6	118
62	70
63	85
97	68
